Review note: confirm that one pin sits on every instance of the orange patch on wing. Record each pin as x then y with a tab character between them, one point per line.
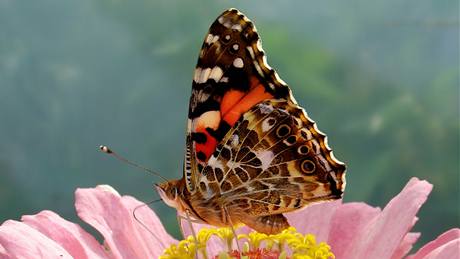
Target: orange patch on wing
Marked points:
230	99
234	103
242	105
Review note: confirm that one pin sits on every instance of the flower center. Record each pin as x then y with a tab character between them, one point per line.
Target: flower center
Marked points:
287	244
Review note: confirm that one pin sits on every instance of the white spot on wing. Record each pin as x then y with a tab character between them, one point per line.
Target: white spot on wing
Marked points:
258	68
265	109
266	126
197	74
251	52
227	24
209	38
237	27
201	96
238	62
266	158
216	74
215	163
204	75
189	125
235	140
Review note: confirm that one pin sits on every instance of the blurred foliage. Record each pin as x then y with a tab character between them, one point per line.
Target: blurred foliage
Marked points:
380	78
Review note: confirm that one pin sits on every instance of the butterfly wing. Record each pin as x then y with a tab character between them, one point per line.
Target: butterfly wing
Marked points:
274	160
231	76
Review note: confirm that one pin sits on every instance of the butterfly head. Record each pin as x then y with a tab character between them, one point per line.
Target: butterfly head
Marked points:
170	192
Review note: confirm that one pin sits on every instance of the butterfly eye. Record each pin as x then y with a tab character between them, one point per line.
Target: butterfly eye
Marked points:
307	167
173	191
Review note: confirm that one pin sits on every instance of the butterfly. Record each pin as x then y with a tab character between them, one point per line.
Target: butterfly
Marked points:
251	153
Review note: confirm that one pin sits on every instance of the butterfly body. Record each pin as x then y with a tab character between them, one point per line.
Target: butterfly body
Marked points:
252	153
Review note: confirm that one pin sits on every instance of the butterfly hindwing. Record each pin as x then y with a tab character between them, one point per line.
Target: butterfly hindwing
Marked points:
274	160
231	76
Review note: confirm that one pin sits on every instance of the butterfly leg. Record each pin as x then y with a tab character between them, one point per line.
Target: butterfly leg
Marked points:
189	220
270	224
233	229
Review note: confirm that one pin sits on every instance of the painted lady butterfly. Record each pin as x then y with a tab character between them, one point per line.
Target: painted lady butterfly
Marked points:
251	152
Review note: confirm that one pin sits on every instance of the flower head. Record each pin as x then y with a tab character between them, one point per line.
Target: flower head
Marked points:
256	245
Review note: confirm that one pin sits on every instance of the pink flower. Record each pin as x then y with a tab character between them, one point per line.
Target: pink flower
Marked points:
353	230
47	235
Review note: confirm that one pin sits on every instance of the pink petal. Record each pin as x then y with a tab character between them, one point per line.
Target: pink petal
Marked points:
18	240
406	245
70	236
348	220
314	219
104	209
449	250
155	232
381	237
446	241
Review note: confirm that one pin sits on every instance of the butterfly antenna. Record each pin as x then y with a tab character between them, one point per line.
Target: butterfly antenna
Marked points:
109	151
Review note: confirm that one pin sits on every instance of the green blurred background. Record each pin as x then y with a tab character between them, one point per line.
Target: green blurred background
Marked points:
379	77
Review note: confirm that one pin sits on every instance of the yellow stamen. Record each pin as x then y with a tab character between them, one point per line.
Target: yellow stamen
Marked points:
257	244
226	235
254	238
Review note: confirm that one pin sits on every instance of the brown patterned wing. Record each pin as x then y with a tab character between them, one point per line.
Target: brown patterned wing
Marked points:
274	160
231	76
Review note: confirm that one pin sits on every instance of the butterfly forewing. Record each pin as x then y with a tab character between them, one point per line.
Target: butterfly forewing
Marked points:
231	76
